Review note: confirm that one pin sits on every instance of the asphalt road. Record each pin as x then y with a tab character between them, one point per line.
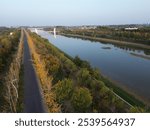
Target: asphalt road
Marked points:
33	102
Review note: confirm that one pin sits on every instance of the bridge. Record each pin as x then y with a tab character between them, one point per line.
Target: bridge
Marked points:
54	32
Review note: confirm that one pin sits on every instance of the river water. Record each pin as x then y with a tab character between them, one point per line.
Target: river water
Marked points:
130	71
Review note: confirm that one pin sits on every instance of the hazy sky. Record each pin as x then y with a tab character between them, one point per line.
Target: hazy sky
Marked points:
73	12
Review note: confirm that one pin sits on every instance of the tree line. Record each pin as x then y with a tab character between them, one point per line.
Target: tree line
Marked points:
141	35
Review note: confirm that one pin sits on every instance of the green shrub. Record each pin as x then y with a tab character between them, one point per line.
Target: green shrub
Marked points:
63	90
52	64
81	99
83	77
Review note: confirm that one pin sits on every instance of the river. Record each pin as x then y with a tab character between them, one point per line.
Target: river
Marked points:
126	66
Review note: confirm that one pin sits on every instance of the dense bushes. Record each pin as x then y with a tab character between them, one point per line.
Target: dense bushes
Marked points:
63	90
81	99
8	44
72	98
8	49
52	64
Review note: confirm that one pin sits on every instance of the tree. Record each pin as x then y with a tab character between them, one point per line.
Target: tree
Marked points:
63	90
96	86
77	61
106	97
96	73
81	63
84	77
52	64
81	99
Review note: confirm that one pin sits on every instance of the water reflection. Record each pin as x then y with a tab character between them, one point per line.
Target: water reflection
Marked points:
124	47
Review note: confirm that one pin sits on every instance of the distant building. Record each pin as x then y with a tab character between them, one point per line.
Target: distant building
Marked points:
88	27
131	29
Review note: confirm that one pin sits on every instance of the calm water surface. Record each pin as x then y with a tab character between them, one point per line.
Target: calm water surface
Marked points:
118	64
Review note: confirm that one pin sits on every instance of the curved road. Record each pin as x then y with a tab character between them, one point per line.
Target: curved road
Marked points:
33	102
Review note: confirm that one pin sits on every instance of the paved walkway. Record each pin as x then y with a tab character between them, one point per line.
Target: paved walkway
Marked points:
33	102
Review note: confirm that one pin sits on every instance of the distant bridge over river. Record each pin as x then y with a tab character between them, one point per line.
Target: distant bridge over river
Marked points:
54	32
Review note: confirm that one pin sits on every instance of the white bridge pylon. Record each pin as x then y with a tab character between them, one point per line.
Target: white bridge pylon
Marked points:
36	31
54	32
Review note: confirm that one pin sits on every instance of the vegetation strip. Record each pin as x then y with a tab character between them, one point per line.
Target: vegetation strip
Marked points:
11	48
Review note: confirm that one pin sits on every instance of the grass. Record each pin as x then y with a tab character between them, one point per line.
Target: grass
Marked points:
123	94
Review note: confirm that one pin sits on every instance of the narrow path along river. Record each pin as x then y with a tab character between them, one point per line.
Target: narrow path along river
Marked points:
126	66
33	102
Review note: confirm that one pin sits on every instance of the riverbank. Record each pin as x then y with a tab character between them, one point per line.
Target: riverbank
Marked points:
122	43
